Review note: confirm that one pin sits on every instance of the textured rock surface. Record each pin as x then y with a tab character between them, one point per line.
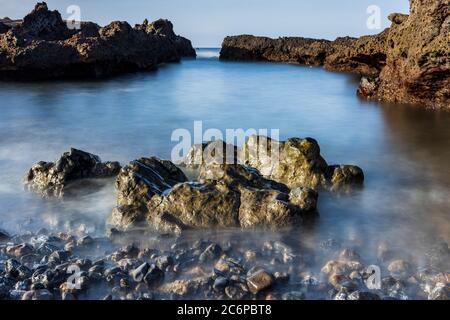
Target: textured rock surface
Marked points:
151	195
418	56
297	163
42	46
406	63
54	178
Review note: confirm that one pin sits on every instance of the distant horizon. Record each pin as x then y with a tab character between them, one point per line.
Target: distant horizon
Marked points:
206	24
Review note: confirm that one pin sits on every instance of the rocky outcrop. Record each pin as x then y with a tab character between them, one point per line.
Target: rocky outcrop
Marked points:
292	50
364	55
297	163
406	63
55	178
42	46
418	57
154	193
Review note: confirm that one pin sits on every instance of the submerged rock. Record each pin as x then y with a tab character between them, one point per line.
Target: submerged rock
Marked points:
54	178
42	46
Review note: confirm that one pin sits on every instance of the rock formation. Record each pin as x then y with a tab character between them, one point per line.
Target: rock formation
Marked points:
297	163
54	178
406	63
42	46
154	193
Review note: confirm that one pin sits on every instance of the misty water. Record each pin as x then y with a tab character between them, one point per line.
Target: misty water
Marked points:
403	150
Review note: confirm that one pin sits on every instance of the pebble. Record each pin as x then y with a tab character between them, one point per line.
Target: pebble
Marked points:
259	281
399	268
212	252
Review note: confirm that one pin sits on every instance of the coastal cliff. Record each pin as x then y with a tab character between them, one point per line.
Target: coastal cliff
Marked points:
41	46
406	63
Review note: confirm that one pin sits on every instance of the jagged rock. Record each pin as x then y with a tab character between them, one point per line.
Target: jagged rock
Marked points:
398	18
54	178
42	46
367	87
225	196
297	163
44	24
213	152
163	27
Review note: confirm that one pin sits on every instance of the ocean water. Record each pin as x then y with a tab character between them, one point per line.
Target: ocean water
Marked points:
403	150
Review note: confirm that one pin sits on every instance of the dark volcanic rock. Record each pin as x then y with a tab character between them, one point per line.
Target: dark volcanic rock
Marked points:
42	46
53	178
406	63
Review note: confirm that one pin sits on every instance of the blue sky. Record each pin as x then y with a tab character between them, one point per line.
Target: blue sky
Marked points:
207	22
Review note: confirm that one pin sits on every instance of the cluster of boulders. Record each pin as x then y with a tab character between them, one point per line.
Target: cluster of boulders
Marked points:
43	46
47	266
406	63
244	187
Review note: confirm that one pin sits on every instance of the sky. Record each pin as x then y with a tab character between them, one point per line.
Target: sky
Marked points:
207	22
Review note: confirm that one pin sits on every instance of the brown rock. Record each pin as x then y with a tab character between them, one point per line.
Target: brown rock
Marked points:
42	46
259	281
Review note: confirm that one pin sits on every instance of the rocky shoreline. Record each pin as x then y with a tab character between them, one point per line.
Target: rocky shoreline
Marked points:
123	266
406	63
41	46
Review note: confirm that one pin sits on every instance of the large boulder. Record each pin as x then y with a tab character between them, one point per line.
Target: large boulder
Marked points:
297	163
226	195
42	46
56	178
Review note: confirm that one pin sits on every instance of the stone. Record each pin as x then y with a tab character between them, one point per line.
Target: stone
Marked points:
259	281
139	273
440	292
42	294
305	198
210	153
400	268
153	276
211	253
55	178
154	193
236	291
185	287
19	250
362	295
297	163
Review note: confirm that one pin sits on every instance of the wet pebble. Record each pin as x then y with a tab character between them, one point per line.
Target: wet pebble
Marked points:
258	281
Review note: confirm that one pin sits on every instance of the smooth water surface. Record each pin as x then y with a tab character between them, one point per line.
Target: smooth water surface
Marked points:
404	151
